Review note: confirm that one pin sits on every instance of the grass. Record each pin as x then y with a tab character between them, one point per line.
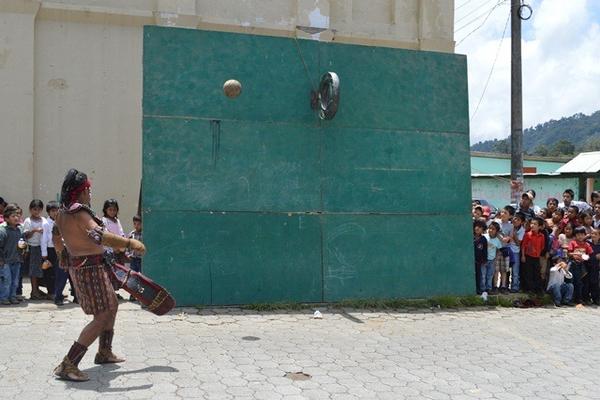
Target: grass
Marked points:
439	302
436	302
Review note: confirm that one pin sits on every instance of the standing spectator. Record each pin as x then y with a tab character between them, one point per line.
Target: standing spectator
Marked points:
579	252
32	230
532	247
555	221
568	196
561	291
493	245
54	275
10	258
564	238
112	223
135	257
596	217
503	259
2	206
515	247
586	220
591	288
480	246
525	205
594	198
536	208
551	206
477	212
572	216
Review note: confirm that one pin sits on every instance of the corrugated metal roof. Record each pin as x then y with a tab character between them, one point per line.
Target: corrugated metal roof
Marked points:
583	163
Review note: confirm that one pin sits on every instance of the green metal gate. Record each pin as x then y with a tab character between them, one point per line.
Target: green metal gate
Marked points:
256	199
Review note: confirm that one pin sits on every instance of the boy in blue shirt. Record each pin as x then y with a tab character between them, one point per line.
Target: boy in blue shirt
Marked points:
10	257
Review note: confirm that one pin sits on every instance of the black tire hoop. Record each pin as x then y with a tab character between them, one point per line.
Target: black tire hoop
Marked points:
329	95
520	11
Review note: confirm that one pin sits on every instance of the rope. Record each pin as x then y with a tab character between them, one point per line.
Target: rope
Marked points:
492	70
304	63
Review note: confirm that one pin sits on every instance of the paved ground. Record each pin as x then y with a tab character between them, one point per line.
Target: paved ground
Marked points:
235	354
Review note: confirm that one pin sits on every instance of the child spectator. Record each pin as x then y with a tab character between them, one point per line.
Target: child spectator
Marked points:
565	238
503	259
591	285
135	257
594	198
112	223
10	257
2	206
596	222
556	220
572	216
586	219
532	247
551	206
477	212
493	245
561	291
579	252
53	275
32	231
49	258
515	247
480	246
545	257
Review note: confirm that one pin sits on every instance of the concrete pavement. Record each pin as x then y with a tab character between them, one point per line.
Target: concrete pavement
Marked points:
230	353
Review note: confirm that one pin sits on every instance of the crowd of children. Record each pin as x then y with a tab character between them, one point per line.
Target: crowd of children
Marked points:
27	250
525	248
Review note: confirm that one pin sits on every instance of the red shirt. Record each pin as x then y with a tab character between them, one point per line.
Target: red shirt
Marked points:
580	247
533	244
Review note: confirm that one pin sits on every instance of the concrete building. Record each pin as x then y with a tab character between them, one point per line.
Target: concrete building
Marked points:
71	74
490	178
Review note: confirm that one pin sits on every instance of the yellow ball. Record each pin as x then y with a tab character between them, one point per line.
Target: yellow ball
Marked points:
232	88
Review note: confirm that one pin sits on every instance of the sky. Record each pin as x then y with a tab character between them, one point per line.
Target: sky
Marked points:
560	58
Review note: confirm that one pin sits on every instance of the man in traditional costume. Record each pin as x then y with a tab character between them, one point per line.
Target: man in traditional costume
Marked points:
79	237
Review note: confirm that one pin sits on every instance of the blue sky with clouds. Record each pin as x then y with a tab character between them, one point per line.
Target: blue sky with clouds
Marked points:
561	61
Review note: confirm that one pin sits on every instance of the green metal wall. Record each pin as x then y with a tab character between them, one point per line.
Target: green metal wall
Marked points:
257	200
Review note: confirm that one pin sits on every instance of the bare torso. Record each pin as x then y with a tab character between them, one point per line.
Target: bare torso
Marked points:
74	230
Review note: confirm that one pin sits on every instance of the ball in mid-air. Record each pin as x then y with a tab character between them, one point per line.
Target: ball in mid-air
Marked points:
232	88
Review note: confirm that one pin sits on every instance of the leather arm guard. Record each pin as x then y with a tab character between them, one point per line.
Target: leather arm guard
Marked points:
100	236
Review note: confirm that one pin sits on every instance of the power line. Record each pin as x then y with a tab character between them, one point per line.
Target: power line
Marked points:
492	69
463	4
488	12
483	23
473	11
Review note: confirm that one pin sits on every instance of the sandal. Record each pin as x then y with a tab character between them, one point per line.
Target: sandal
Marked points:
68	371
106	356
37	296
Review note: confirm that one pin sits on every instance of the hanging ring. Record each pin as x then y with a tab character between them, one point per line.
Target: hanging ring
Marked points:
329	95
521	13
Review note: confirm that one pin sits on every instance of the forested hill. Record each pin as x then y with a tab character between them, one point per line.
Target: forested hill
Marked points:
567	136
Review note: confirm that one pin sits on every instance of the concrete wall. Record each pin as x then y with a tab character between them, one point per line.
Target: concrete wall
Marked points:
492	165
71	73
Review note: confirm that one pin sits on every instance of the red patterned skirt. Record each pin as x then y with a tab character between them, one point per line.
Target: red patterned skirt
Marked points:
93	286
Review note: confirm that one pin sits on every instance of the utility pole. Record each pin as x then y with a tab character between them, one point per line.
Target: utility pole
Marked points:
516	105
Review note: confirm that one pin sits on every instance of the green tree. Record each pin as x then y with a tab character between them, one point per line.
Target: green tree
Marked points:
592	144
561	147
541	150
502	146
